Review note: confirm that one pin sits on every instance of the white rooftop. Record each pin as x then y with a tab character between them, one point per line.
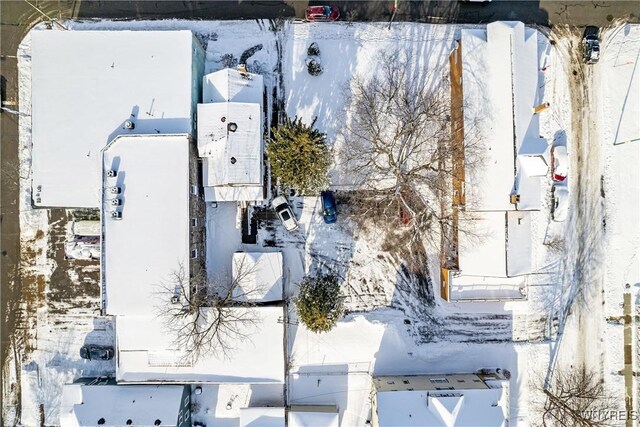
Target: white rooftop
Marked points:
258	276
83	405
230	85
144	248
86	84
146	353
500	82
450	408
313	419
262	417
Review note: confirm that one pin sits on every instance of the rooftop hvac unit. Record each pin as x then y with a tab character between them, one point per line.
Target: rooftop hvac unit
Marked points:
116	202
175	299
112	173
115	190
116	215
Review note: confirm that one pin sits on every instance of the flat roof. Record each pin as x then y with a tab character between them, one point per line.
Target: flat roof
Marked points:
84	405
315	419
150	243
85	85
500	79
230	137
258	276
446	408
146	352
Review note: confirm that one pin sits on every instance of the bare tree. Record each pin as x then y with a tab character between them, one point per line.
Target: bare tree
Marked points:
209	316
578	398
398	148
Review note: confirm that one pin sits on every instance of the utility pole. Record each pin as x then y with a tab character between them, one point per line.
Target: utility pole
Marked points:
395	9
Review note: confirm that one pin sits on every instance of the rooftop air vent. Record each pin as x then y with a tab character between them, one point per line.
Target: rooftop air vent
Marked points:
116	215
112	173
115	190
129	125
116	202
232	127
233	160
223	119
175	299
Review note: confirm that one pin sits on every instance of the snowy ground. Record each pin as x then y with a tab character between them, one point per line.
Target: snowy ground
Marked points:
392	326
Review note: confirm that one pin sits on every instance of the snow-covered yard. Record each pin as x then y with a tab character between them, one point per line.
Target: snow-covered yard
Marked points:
396	323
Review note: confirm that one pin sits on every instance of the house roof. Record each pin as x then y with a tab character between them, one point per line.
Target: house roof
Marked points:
500	83
231	85
147	353
83	405
139	251
258	276
446	408
85	85
315	419
262	417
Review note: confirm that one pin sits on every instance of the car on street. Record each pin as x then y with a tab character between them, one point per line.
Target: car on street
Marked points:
591	45
329	212
560	205
96	352
281	205
322	13
559	163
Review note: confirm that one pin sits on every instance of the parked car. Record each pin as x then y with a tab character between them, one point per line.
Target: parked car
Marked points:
591	45
322	13
560	203
96	352
559	163
329	212
281	205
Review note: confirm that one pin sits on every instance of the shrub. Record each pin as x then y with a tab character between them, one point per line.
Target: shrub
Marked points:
319	303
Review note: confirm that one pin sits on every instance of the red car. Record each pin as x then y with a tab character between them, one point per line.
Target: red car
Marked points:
322	13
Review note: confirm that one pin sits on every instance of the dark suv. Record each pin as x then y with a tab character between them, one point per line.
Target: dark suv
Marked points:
591	45
96	352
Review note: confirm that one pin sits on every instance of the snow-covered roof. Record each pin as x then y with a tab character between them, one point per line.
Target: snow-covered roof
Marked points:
83	405
231	85
315	419
500	83
86	84
494	249
446	408
262	417
140	250
146	352
259	276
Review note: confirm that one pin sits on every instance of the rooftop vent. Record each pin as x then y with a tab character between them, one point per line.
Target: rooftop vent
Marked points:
101	421
116	215
112	173
175	299
233	160
115	190
157	423
129	125
116	202
232	127
129	422
223	119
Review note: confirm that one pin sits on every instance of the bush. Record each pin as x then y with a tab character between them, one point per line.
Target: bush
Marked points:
299	156
319	303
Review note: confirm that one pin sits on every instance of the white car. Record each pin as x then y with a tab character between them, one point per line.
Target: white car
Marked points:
281	205
560	203
559	163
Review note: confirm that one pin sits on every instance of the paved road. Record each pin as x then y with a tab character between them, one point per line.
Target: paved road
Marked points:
17	17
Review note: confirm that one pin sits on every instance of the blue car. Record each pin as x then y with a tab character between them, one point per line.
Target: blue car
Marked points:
329	213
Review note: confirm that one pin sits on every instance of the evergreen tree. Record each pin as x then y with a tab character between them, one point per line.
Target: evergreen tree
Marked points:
319	303
299	156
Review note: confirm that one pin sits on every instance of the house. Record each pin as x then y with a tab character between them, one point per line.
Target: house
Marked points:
89	405
494	74
230	136
451	400
147	186
118	83
262	417
258	276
